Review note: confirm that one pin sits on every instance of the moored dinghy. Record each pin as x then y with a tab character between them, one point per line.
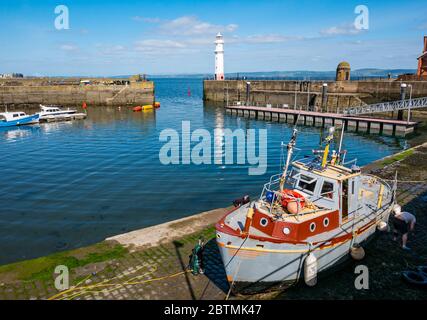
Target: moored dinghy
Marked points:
307	220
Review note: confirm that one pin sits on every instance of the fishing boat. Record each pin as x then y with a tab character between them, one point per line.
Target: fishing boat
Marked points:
309	218
55	113
11	119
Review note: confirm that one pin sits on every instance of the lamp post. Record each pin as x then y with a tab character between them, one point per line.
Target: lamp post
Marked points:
296	87
410	102
403	87
325	96
248	90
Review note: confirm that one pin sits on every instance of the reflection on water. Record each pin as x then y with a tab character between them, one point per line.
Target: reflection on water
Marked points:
11	134
69	184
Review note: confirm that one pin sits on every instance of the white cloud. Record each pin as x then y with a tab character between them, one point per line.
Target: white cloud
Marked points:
191	25
345	29
269	38
68	47
146	19
110	49
158	44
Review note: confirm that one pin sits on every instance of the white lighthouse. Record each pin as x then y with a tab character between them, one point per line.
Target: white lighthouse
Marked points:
219	57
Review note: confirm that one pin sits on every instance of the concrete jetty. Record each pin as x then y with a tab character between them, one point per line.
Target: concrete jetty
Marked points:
311	118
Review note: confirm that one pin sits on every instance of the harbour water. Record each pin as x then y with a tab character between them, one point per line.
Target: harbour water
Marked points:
66	185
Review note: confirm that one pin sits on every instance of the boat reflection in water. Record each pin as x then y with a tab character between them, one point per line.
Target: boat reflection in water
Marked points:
16	133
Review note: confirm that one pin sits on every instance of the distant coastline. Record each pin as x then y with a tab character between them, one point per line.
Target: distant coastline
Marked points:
297	74
366	72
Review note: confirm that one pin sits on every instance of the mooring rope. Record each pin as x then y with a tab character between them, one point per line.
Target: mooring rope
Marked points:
105	283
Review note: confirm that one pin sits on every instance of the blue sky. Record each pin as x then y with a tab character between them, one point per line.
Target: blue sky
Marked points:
170	37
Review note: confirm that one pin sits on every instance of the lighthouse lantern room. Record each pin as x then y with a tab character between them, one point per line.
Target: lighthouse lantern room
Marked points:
219	57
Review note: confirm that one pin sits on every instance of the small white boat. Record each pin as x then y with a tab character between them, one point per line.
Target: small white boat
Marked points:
11	119
54	113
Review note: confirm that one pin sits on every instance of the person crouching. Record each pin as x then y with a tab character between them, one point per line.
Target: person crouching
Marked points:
403	223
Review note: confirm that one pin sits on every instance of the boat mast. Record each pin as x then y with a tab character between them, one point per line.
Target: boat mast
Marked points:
340	146
291	146
328	142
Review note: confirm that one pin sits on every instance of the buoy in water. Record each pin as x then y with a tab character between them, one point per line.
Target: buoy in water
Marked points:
156	104
382	226
357	252
137	108
310	270
148	107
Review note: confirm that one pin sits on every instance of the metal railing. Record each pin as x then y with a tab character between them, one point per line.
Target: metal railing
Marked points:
269	105
388	106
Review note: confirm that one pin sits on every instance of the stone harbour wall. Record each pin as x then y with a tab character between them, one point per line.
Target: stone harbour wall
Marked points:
341	94
35	92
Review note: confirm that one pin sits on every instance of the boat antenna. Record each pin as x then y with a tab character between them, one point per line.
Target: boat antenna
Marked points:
290	147
340	146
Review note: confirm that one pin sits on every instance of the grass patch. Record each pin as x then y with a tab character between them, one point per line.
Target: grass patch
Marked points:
398	157
43	268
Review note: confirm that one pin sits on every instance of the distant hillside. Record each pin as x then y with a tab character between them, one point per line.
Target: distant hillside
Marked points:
301	74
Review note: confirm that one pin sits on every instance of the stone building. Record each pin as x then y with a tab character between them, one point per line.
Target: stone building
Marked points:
422	61
343	71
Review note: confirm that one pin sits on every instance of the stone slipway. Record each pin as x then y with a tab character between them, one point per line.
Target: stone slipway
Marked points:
169	231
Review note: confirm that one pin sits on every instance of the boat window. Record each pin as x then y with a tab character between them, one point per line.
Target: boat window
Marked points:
327	190
293	176
22	114
307	184
15	115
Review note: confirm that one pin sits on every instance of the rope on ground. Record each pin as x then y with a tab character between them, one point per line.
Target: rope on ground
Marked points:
127	283
105	283
76	287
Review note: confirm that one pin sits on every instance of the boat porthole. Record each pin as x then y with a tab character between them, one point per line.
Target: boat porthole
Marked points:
263	222
312	226
218	236
326	222
286	230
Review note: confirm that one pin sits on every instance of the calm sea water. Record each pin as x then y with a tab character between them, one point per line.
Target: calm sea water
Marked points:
65	185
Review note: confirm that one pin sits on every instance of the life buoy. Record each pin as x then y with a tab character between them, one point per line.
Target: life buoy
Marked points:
292	201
